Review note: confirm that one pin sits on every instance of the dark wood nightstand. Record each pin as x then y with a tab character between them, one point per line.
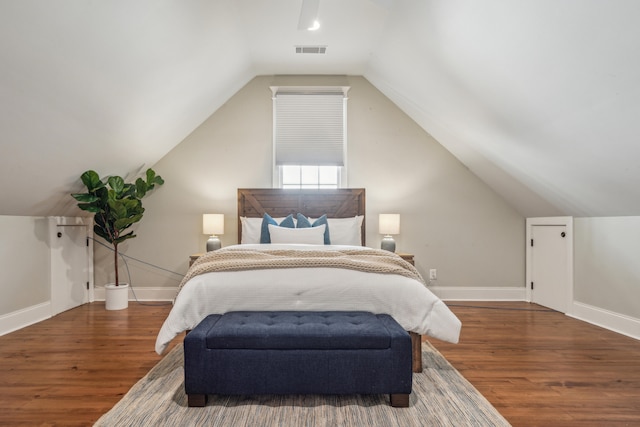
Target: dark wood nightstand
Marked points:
407	257
194	257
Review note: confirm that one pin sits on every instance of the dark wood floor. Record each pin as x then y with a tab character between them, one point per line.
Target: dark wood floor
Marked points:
69	370
542	368
538	368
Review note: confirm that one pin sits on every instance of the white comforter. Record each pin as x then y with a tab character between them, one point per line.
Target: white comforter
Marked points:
407	300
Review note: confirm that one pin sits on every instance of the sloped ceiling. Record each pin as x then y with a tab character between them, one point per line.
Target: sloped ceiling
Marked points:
539	98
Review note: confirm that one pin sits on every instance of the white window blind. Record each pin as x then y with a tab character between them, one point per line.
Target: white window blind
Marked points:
309	128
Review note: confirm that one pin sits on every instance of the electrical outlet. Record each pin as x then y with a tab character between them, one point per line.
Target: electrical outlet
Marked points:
433	274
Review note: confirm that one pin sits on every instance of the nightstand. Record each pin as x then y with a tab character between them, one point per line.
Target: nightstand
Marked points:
194	257
407	257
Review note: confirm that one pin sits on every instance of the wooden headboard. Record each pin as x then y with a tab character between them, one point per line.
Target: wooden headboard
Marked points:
277	202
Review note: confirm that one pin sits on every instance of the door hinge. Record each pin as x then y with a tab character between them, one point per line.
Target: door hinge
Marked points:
531	242
87	242
87	285
531	285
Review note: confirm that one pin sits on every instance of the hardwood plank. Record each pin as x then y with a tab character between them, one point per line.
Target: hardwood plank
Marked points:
71	369
538	368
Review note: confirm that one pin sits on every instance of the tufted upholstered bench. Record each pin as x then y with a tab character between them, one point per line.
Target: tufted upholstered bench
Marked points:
282	352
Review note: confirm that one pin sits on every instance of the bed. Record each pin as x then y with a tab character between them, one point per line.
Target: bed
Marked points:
343	275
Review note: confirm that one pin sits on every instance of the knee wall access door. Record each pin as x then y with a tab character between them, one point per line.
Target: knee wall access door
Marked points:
71	263
550	262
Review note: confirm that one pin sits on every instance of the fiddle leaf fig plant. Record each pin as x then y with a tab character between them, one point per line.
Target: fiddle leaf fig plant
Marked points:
116	205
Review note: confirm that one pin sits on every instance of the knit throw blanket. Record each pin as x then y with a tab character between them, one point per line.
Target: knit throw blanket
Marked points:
366	260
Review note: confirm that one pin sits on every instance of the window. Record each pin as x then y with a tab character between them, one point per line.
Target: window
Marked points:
309	137
301	176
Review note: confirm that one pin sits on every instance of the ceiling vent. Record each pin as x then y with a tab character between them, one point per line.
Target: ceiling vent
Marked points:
311	49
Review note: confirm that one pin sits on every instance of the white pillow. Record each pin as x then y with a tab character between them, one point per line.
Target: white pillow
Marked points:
308	236
346	231
252	227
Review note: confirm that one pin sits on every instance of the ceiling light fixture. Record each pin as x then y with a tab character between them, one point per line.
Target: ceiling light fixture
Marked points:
309	15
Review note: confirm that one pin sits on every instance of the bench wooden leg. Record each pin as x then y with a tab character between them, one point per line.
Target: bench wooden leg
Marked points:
197	400
400	400
416	351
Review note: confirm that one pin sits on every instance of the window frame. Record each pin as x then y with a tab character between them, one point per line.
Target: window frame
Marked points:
316	185
277	174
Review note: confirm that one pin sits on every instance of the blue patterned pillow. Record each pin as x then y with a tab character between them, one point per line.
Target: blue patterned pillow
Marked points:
303	222
265	237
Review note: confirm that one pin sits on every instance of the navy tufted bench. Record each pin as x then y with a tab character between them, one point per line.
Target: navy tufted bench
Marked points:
298	353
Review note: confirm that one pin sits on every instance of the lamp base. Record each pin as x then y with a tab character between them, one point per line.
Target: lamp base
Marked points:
388	244
213	243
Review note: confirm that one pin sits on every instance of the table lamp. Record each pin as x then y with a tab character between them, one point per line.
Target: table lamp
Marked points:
213	224
389	224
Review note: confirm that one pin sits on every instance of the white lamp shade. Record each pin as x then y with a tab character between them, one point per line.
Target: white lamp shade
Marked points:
389	224
213	224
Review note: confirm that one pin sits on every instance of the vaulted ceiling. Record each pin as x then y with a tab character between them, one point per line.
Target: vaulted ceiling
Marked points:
539	98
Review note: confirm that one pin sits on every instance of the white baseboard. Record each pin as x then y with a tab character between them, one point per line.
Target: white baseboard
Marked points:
468	293
142	293
610	320
27	316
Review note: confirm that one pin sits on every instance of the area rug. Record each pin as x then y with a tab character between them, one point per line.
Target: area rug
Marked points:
440	397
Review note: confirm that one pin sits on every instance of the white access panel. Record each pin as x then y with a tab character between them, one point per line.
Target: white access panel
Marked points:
70	264
549	281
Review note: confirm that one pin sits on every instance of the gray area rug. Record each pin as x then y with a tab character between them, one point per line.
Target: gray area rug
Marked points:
440	397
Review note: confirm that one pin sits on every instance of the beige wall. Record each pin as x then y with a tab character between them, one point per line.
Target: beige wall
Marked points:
450	220
606	267
24	262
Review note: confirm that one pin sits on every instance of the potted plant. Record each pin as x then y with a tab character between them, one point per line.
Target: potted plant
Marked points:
116	206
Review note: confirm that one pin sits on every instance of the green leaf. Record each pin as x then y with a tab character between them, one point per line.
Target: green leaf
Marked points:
117	208
141	187
153	179
124	237
129	191
116	183
102	233
89	207
124	223
85	197
91	180
102	194
132	206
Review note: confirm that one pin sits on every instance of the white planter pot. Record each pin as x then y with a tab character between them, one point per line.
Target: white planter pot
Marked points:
116	297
